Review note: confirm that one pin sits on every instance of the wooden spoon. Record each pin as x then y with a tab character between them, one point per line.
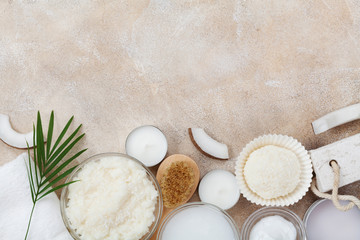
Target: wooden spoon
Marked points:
162	171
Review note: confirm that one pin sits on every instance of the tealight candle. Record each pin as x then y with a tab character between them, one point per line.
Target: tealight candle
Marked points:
324	222
147	144
220	188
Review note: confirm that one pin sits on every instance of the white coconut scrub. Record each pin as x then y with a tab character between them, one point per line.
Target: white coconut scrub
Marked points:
272	171
273	228
113	199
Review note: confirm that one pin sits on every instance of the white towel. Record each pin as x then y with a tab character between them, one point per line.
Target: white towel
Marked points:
16	205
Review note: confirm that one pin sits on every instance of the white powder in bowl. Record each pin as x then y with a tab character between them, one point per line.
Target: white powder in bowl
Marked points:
272	171
114	199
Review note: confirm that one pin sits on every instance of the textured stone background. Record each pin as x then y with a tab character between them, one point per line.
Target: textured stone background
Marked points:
239	69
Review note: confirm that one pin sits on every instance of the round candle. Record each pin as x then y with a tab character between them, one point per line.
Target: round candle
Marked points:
324	222
147	144
219	187
198	222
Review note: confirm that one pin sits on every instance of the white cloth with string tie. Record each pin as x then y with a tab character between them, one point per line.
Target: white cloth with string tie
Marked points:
16	205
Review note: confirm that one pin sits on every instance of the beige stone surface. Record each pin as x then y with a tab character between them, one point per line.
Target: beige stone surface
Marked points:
237	68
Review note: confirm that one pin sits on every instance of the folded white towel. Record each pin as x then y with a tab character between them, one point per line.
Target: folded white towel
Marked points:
16	204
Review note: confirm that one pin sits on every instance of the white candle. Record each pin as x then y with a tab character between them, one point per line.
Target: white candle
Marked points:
220	188
147	144
324	222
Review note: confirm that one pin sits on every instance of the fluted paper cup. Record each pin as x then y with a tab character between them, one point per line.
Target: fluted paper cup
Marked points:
284	142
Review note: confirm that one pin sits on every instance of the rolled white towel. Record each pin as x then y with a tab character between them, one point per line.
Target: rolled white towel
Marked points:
16	205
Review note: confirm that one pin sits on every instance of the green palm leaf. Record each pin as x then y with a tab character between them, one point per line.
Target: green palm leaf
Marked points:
47	161
53	182
40	144
56	188
62	134
36	173
49	135
54	160
63	165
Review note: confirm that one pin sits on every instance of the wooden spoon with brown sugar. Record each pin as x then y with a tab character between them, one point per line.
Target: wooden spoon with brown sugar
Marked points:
178	177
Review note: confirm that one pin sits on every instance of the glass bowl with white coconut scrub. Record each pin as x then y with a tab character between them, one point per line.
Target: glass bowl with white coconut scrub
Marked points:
273	223
198	221
114	197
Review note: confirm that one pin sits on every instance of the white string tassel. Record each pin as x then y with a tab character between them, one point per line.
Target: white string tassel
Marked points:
334	197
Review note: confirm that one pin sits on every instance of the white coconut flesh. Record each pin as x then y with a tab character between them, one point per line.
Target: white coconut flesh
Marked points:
12	137
336	118
209	145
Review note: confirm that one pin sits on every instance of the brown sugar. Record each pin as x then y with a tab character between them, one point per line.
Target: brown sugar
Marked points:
177	183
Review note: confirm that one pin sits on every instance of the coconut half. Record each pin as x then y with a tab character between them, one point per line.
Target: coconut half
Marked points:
207	145
12	137
336	118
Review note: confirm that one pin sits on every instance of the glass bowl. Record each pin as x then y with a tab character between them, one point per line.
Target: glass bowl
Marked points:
272	211
182	208
323	220
65	191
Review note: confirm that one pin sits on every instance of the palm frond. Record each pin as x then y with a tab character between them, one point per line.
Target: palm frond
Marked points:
40	144
56	158
47	160
56	188
50	133
30	176
35	149
53	182
63	165
62	134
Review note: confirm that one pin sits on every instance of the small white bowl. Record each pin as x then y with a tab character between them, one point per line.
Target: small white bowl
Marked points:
273	211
